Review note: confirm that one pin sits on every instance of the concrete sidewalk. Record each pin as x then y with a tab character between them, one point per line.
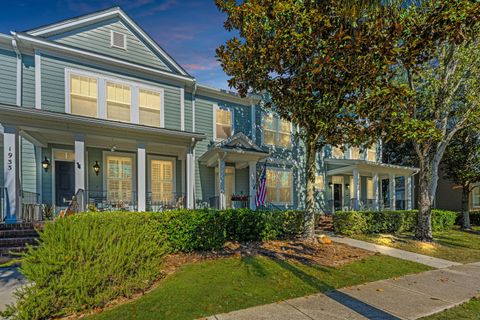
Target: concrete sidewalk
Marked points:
10	280
408	297
397	253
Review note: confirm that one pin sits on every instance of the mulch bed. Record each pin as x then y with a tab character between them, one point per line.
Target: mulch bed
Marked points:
303	251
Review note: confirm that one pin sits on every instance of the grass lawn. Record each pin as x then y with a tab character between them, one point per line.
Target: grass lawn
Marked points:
466	311
453	245
223	285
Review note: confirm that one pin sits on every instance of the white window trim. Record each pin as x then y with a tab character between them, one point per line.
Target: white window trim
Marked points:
276	121
278	184
105	154
149	171
215	108
102	80
477	187
124	39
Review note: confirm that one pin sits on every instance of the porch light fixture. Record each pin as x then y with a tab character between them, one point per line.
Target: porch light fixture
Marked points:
45	164
96	168
347	185
330	184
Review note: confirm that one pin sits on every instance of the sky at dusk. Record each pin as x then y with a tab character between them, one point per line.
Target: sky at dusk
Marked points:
189	30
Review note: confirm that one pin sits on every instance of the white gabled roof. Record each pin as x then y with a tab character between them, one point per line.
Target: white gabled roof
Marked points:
69	24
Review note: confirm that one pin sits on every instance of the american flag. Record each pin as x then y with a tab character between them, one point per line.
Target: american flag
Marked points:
261	194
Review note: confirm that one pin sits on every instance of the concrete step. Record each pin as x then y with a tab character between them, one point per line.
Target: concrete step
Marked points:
17	241
17	226
18	233
7	251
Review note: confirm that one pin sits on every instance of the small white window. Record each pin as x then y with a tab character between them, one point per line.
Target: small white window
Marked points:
118	40
83	95
149	108
372	153
337	153
118	102
277	131
355	153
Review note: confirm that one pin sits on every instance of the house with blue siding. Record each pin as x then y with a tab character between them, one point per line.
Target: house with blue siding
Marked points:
94	113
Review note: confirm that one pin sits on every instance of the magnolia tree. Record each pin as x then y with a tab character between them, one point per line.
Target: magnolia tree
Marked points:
461	164
324	65
439	57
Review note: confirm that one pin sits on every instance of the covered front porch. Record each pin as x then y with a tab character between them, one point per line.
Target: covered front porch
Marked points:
365	185
67	162
230	158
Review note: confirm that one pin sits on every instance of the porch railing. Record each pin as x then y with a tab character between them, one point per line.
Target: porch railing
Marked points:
238	201
30	210
365	205
157	201
111	200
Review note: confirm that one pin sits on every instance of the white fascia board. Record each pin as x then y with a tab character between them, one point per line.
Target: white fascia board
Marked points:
106	15
46	44
226	95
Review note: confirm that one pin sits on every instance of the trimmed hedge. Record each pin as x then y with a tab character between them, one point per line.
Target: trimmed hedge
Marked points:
86	260
474	218
366	222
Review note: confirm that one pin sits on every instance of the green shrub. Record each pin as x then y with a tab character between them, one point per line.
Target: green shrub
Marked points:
87	260
190	230
387	221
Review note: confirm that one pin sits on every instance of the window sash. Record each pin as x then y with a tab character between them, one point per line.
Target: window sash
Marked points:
476	197
372	153
337	153
355	153
83	95
149	108
276	132
118	102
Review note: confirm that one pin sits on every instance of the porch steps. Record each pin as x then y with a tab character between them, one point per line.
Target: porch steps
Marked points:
325	223
14	239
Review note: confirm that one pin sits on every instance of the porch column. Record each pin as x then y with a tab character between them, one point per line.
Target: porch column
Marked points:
356	189
376	198
252	171
11	174
408	192
141	177
80	169
221	184
392	191
190	180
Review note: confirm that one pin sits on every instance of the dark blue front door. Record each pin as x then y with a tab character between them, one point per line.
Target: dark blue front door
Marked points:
64	182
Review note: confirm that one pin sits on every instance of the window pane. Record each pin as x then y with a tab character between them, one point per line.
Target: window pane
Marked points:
118	102
149	108
83	96
285	185
119	178
272	185
161	180
337	153
370	188
284	126
476	197
285	140
372	153
320	182
269	137
354	153
223	124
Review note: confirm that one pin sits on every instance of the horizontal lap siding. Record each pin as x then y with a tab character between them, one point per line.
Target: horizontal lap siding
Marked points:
95	182
188	112
204	176
1	165
8	77
97	38
53	87
28	81
28	166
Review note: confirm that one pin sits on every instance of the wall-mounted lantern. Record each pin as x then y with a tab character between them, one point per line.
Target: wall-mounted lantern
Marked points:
45	164
347	185
96	168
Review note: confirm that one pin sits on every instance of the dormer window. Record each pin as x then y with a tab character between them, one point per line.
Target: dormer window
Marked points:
118	40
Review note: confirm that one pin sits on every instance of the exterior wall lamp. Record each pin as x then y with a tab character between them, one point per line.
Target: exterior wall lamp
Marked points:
45	164
96	168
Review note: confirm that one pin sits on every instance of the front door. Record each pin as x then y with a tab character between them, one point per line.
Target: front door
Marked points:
337	196
64	182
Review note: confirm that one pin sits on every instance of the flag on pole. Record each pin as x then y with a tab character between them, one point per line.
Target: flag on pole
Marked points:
261	194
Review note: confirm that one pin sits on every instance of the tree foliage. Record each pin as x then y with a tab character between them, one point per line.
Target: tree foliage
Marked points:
324	65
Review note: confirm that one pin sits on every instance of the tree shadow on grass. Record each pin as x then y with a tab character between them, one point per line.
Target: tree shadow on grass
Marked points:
362	308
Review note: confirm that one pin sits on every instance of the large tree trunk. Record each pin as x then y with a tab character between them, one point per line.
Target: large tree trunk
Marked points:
311	153
465	213
427	188
424	223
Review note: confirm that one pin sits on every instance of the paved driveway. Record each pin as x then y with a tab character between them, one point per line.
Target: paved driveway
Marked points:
10	279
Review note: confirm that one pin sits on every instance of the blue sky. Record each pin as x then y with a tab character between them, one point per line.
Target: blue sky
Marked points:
189	30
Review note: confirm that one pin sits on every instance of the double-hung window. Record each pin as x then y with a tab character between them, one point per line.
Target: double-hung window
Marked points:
83	95
118	102
355	153
277	131
161	180
223	123
279	186
337	153
149	108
